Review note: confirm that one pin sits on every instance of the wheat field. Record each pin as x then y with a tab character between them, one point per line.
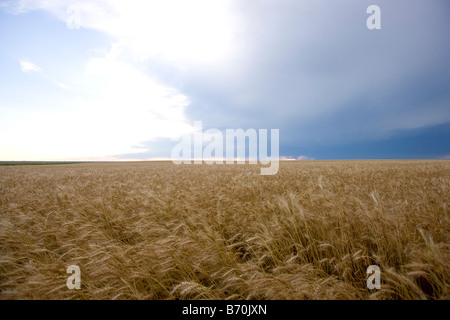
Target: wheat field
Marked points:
156	230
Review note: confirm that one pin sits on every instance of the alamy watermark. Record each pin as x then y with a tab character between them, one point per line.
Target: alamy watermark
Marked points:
374	20
212	147
374	280
74	281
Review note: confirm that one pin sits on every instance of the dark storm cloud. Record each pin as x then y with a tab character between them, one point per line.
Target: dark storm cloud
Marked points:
315	71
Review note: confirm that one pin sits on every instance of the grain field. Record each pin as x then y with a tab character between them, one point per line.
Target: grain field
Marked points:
155	230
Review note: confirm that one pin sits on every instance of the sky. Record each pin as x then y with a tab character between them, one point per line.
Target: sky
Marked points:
124	80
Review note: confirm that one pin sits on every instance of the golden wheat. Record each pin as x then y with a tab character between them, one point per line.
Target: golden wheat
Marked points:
155	230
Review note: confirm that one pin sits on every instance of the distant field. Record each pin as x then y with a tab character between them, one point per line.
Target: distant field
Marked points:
155	230
33	163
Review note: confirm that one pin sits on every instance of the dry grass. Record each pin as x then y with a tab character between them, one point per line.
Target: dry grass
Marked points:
161	231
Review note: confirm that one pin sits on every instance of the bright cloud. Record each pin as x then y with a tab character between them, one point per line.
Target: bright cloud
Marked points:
195	31
115	106
134	106
27	66
299	158
304	158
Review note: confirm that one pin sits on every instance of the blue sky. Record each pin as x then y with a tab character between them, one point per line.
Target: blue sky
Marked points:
122	80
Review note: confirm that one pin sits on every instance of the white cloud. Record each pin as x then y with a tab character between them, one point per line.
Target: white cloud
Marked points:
303	157
287	158
27	66
299	158
114	108
57	83
130	99
195	31
115	105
